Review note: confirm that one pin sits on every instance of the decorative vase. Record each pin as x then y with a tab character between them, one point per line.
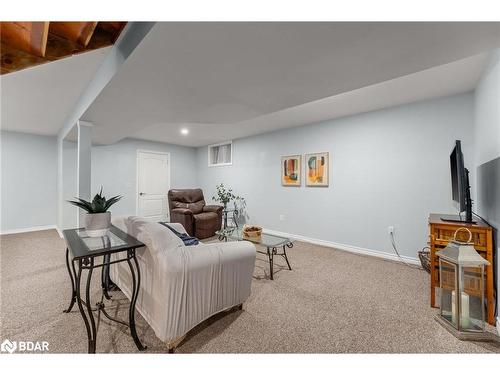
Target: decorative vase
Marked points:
97	225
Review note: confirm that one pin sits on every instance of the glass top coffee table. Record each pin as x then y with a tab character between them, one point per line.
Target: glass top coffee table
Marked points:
270	241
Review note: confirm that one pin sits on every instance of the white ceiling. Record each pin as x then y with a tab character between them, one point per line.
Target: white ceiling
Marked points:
37	100
218	78
229	80
449	79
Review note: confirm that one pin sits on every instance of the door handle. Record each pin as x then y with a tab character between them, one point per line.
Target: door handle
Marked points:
142	193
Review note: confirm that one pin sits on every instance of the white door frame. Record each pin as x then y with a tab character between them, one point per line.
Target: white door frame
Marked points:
137	175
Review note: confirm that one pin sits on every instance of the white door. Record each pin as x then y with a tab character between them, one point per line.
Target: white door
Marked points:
153	183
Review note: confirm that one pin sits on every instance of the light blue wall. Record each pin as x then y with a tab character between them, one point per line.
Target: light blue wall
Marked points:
487	147
115	167
69	185
29	174
389	167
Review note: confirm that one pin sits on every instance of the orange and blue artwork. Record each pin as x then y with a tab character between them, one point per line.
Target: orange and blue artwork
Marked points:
290	170
317	169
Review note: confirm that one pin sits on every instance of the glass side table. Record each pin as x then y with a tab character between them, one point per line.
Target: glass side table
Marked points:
270	241
89	253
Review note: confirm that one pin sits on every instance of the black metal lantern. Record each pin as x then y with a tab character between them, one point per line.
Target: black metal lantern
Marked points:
461	274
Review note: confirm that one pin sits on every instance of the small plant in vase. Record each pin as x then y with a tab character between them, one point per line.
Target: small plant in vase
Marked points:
225	196
98	218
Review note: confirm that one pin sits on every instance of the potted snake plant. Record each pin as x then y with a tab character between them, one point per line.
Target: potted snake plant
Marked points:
98	218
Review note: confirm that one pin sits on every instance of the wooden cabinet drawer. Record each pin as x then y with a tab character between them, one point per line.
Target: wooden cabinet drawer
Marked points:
443	235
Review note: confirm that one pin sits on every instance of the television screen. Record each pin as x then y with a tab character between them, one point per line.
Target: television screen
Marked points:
455	194
460	190
458	176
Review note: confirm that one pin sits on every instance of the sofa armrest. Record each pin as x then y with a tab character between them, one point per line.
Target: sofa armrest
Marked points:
212	208
235	249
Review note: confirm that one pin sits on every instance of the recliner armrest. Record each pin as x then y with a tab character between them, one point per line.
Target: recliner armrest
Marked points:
212	208
185	217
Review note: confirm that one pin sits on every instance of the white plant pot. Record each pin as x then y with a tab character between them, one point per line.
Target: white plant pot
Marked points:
97	225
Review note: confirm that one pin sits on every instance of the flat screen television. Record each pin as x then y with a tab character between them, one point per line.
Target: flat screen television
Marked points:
460	188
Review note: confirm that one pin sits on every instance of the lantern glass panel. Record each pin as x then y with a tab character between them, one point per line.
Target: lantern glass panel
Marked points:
472	302
448	280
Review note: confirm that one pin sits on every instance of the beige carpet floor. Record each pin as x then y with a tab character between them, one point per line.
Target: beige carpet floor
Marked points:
331	302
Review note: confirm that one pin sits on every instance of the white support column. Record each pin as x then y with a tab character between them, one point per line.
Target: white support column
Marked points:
84	165
130	38
60	200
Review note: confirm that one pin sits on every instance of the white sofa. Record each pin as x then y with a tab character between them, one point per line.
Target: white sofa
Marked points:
181	286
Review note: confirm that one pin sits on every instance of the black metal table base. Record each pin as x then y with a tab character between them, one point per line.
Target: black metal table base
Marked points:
233	218
85	307
271	252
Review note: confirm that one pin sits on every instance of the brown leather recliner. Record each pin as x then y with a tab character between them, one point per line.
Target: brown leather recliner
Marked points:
187	207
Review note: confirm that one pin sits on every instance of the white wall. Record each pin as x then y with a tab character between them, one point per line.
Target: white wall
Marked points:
487	148
28	173
114	168
389	167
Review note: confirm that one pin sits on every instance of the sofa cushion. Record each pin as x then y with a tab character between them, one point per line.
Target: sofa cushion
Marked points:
186	238
152	234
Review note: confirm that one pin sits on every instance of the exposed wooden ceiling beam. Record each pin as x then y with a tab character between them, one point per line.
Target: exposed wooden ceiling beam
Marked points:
78	32
30	37
13	59
16	54
114	28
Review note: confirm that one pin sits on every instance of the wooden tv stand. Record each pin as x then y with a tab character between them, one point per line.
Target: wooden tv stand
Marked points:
440	232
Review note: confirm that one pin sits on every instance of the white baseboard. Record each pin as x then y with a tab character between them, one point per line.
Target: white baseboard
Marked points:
349	248
31	229
498	325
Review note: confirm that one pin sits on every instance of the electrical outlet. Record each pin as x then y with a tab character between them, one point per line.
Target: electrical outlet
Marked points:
282	217
390	229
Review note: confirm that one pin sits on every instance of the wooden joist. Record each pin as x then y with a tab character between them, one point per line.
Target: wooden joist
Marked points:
112	28
22	47
77	32
13	59
30	37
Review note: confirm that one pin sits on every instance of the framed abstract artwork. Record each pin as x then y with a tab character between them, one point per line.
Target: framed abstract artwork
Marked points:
290	170
317	169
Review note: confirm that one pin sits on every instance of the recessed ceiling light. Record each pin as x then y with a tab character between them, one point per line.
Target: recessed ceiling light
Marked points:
184	131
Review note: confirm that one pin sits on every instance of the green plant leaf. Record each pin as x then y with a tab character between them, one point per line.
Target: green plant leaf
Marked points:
111	201
83	204
98	205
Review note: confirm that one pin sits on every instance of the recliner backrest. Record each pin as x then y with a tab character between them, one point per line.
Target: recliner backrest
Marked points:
191	199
